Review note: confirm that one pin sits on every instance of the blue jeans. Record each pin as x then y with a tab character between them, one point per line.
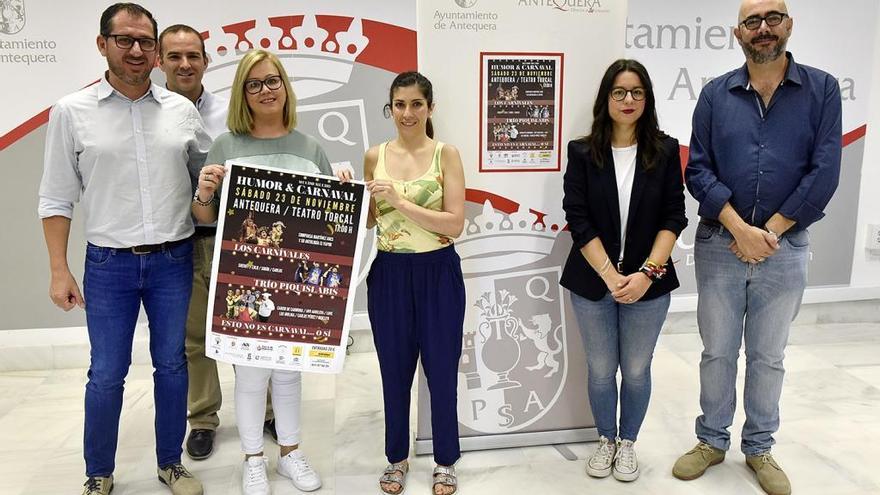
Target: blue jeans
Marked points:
619	336
757	302
115	284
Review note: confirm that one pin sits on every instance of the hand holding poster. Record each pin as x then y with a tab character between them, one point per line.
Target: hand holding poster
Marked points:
287	256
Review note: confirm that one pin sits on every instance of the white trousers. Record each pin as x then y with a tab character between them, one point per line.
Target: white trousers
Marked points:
251	385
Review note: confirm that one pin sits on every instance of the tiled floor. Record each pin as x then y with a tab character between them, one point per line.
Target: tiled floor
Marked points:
829	442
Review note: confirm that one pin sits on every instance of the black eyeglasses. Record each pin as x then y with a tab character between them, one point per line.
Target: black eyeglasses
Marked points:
254	86
772	19
619	94
125	42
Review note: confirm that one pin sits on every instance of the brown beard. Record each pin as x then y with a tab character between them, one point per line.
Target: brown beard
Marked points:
131	79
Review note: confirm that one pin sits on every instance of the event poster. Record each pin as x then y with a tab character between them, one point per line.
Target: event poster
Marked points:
288	249
520	111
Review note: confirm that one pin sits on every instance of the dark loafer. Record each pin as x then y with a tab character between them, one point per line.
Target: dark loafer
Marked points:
269	427
200	444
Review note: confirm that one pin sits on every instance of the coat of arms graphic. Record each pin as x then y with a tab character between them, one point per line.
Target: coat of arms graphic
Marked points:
12	16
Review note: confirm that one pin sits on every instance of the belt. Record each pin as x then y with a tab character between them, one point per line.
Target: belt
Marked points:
154	248
715	224
205	231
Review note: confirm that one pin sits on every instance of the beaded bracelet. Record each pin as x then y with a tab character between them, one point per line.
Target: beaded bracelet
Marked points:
654	271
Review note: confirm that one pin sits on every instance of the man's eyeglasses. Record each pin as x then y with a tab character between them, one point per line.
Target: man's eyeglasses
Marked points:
619	94
254	86
125	42
772	19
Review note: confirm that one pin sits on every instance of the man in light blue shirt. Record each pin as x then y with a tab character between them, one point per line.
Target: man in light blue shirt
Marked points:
124	149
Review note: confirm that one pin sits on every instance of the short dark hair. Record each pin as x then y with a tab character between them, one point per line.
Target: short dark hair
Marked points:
132	9
182	28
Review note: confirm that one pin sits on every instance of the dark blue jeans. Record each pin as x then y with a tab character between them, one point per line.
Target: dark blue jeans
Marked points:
115	283
619	336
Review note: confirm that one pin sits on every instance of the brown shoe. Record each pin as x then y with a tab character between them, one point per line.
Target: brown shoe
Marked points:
696	461
179	480
770	476
98	485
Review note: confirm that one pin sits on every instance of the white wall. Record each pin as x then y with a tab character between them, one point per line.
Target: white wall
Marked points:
866	266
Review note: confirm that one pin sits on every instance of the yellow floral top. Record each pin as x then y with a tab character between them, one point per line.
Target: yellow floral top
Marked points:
394	231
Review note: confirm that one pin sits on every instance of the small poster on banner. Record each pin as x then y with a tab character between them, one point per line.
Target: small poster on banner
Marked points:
520	111
285	265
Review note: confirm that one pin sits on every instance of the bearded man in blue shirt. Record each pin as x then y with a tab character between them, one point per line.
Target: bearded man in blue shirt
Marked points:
764	163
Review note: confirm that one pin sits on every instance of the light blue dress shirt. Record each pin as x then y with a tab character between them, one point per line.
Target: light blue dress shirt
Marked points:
128	163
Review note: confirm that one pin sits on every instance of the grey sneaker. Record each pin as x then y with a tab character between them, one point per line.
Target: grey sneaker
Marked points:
179	480
696	461
599	464
771	477
98	485
626	465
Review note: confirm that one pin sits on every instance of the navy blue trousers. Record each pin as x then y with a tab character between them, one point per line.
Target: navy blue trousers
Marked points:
416	305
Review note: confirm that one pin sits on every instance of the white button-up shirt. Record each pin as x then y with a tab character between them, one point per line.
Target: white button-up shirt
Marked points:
213	109
128	162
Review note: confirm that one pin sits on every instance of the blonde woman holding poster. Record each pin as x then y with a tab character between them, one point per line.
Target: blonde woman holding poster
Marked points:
415	290
262	118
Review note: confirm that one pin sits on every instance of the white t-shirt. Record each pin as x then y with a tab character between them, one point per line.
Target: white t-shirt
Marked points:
624	171
266	308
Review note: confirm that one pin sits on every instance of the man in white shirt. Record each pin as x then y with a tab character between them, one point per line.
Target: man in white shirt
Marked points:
124	148
267	306
183	59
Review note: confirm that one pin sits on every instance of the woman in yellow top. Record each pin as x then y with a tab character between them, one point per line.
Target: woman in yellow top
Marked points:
415	290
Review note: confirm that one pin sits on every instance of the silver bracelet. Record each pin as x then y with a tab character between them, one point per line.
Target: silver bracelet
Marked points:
199	201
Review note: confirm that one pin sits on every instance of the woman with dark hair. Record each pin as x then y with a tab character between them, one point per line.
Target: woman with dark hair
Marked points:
415	289
624	204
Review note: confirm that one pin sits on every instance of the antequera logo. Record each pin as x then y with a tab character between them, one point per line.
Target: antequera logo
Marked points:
588	6
466	4
12	16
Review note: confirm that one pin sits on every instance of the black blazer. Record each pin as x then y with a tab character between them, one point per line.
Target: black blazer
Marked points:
592	210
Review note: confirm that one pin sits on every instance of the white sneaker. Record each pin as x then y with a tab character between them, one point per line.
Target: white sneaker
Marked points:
296	467
599	464
254	480
626	466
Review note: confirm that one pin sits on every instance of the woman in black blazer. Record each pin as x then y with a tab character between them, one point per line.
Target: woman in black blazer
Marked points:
624	204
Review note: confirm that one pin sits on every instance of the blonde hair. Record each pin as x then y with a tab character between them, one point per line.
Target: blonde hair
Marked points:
241	119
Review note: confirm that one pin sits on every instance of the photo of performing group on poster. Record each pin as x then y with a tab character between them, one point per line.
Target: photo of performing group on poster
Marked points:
284	269
520	111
